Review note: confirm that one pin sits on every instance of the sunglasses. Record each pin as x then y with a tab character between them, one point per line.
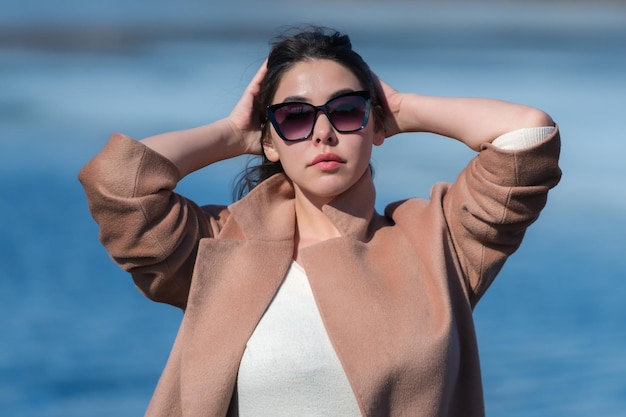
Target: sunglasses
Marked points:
294	121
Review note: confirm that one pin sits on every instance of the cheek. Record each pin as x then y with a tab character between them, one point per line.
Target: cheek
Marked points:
365	145
365	155
290	155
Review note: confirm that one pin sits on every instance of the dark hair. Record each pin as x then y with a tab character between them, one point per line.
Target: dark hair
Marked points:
287	50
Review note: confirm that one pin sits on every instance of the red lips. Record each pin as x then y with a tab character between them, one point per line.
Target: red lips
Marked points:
327	157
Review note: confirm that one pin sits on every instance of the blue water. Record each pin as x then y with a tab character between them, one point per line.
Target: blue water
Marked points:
78	340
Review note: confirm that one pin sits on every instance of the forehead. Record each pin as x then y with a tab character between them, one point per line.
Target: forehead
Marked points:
315	81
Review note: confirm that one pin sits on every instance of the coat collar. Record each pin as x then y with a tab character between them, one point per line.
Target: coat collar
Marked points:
268	211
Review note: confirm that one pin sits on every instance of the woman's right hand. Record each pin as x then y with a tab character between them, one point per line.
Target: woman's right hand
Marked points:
235	135
242	118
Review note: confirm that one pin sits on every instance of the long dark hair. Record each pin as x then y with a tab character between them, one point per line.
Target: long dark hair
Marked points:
297	45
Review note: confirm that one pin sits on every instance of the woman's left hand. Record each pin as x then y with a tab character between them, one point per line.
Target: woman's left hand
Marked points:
391	100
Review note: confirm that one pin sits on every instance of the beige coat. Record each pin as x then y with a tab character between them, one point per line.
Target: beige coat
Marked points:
395	292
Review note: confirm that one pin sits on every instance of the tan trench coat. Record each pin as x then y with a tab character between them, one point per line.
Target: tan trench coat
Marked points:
395	292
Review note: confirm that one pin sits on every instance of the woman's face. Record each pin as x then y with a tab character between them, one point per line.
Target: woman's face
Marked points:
328	163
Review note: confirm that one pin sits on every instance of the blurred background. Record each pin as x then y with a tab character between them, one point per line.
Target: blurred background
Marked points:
77	339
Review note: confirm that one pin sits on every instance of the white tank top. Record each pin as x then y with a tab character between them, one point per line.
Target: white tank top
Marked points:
289	367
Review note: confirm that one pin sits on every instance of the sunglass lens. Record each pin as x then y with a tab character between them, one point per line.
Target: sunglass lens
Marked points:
295	120
347	113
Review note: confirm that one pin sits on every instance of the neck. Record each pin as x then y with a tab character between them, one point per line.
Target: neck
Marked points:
312	225
348	214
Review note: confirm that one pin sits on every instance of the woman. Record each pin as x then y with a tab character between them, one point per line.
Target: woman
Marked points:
300	299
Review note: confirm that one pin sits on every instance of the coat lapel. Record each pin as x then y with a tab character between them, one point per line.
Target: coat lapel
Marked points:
237	275
235	278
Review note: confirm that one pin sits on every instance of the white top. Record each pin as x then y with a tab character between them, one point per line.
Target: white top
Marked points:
289	367
523	138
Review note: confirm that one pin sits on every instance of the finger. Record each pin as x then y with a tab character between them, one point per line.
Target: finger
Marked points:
257	80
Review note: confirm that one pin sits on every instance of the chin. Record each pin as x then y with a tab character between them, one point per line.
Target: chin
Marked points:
327	192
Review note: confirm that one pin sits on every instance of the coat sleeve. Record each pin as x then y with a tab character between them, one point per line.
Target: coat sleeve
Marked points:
492	203
148	229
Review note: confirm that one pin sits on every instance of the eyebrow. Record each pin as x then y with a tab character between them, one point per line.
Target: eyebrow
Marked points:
332	96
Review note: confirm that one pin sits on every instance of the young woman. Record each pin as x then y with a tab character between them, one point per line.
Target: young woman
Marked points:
300	299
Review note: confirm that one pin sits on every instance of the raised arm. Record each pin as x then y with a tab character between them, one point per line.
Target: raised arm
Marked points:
473	121
235	135
502	190
147	228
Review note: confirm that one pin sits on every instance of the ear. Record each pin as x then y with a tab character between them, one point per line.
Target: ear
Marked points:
270	150
379	137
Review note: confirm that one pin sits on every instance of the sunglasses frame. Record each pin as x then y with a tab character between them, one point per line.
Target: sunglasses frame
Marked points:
323	108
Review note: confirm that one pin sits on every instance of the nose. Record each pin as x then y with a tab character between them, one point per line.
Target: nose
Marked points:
323	131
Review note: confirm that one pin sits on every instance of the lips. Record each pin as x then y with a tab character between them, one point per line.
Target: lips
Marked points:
327	158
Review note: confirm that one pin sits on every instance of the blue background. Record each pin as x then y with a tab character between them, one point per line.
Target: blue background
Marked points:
77	339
